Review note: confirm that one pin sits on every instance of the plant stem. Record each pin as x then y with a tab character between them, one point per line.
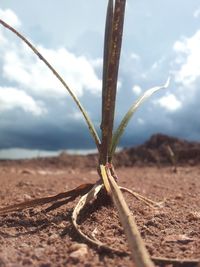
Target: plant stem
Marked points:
112	48
107	46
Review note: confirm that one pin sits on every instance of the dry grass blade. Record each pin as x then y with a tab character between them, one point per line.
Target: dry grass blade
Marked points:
41	57
138	250
110	72
70	195
91	195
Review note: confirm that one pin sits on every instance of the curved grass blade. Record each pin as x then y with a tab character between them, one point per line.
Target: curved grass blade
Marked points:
84	200
41	57
113	41
118	133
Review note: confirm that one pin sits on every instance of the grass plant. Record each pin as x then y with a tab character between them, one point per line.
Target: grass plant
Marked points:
106	144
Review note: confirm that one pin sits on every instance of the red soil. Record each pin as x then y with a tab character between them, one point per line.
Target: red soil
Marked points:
36	238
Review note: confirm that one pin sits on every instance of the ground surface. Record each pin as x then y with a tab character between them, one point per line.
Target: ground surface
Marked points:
36	238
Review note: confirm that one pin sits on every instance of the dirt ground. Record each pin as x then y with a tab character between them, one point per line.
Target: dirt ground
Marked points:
36	238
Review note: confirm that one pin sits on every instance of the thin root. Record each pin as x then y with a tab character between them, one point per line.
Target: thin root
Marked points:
68	196
147	201
91	195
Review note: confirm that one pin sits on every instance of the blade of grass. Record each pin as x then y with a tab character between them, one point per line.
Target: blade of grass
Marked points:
118	133
41	57
136	244
113	40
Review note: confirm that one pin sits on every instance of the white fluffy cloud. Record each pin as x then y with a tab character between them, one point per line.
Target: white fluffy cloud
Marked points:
19	65
23	68
169	102
188	58
10	17
135	56
136	89
197	13
140	121
12	98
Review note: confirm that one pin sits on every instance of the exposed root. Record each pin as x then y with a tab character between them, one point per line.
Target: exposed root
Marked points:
68	196
177	262
91	195
147	201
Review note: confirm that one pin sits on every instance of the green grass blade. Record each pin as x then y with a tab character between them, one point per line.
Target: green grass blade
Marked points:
118	133
110	75
83	111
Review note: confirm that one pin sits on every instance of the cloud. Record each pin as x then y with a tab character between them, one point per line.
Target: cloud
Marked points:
29	90
10	17
2	39
137	89
141	66
77	116
169	102
197	13
20	66
135	56
158	64
140	121
188	60
12	98
23	68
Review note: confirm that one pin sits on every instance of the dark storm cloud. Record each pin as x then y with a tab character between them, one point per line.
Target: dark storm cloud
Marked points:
70	135
48	139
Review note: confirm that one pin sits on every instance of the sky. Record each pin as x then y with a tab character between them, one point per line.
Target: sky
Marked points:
160	40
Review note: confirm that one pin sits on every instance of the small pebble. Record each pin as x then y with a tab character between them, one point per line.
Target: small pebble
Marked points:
78	250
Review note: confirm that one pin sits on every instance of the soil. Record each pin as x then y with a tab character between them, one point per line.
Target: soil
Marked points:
34	237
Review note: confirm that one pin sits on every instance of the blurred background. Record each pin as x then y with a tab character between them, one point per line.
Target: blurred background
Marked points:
38	117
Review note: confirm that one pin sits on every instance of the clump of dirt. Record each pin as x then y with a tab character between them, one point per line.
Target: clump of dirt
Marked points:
156	151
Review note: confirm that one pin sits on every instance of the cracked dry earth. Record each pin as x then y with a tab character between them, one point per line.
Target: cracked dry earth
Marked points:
36	238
